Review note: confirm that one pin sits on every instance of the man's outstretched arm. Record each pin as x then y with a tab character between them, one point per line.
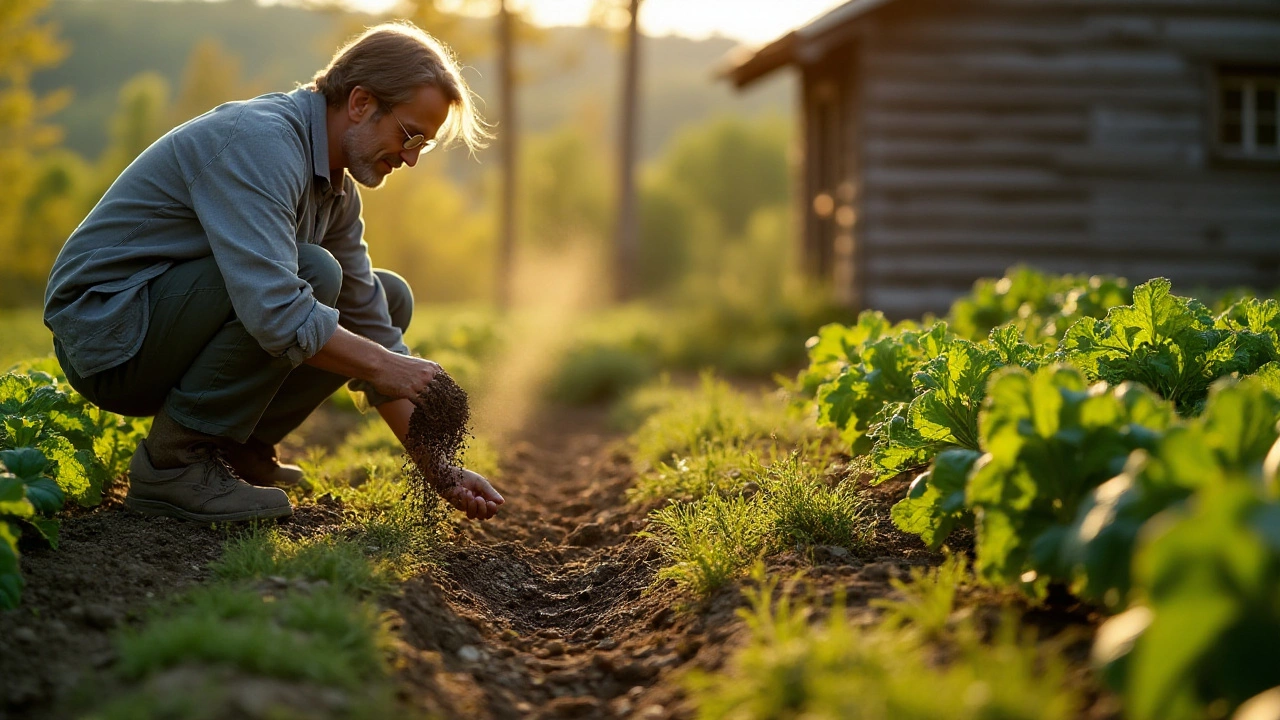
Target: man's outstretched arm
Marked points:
402	377
472	493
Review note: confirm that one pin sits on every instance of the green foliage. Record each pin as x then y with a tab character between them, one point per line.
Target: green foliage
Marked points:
1049	441
710	541
323	636
29	496
806	511
904	395
792	669
1205	633
924	605
1040	306
54	446
269	553
1169	343
696	442
935	503
1231	439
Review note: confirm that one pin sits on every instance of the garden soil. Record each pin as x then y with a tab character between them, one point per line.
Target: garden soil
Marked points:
550	610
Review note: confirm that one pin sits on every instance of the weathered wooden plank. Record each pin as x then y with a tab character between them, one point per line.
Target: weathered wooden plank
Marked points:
974	211
1041	123
912	302
1239	241
953	269
1000	64
996	179
977	96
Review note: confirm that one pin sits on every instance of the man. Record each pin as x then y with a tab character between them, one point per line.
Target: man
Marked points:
223	285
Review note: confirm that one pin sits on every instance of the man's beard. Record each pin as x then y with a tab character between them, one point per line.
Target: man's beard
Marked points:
361	149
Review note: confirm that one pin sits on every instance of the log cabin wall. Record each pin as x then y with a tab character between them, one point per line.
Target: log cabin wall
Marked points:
1070	135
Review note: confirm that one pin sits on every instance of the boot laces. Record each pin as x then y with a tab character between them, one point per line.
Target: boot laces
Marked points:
219	473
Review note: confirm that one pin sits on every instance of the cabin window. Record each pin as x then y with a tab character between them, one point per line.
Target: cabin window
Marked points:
1248	109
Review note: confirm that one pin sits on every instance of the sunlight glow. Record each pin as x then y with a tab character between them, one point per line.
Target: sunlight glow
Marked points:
749	21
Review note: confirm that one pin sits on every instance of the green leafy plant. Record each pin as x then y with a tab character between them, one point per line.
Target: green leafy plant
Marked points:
28	496
55	446
1039	306
1169	343
1232	438
1203	639
1050	439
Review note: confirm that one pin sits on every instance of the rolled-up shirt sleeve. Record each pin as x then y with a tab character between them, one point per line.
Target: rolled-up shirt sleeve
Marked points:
246	199
362	303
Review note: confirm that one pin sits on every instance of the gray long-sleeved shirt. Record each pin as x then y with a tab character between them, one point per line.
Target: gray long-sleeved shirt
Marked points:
246	182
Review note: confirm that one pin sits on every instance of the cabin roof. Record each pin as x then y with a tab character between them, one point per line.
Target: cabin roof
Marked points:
744	65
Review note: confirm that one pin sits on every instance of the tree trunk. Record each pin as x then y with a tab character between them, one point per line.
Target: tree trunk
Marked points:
627	240
508	141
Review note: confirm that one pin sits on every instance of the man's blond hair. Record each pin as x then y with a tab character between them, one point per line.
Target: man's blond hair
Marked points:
391	61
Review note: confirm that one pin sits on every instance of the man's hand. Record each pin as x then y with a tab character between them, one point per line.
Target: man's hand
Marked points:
473	495
402	376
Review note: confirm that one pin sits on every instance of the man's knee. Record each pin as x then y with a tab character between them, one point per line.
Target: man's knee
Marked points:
399	298
322	271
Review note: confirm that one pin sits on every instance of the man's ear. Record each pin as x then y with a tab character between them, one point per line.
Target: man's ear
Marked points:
360	103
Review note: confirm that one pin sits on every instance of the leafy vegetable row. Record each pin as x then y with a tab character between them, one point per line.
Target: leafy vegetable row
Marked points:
1094	461
54	446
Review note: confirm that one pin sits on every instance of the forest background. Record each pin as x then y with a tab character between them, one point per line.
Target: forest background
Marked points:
88	84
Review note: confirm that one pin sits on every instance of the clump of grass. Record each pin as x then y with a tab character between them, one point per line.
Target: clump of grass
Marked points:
710	541
323	636
809	512
694	442
340	562
925	603
795	669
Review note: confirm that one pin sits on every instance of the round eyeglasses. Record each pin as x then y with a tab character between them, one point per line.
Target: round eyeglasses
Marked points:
413	142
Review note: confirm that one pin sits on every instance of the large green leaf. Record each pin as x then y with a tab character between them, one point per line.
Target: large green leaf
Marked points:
10	573
45	496
25	462
1212	581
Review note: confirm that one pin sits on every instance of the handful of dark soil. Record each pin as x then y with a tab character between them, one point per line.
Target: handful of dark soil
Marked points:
439	431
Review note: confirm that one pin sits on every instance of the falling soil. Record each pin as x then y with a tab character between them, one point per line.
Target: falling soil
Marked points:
439	431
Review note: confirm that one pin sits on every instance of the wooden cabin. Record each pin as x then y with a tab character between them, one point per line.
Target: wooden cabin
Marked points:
947	140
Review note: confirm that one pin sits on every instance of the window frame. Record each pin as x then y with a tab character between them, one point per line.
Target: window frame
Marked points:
1248	78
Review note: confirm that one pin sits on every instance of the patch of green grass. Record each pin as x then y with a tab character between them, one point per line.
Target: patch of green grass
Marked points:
323	636
695	441
794	669
710	541
807	511
925	603
340	562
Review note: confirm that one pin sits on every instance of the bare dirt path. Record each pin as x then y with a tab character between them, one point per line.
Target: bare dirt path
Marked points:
547	610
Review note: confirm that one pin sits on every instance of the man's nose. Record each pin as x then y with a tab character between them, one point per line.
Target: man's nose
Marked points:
410	157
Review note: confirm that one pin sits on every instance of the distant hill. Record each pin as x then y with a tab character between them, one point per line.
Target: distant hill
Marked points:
574	72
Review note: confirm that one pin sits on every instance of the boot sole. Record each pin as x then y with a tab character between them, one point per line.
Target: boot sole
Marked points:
156	507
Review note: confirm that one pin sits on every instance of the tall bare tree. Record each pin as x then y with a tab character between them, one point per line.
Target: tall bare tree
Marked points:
509	144
612	13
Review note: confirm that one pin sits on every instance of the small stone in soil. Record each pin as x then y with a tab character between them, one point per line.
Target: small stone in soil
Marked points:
469	654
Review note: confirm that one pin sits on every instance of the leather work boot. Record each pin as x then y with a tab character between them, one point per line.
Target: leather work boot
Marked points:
257	462
180	472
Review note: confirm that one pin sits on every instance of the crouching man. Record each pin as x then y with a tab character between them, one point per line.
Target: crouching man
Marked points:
223	284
